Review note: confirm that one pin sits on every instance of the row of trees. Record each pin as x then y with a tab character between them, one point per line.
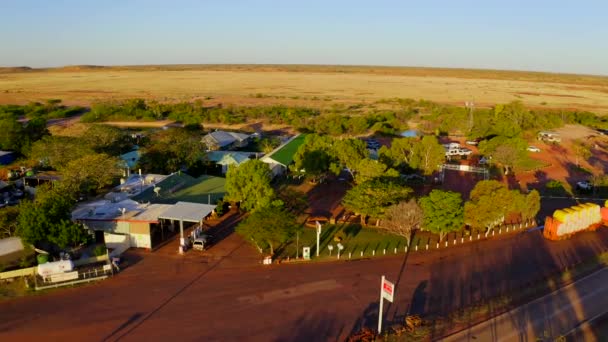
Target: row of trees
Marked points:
193	114
491	204
322	154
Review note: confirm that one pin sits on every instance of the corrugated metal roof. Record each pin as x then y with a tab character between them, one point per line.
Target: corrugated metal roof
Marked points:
187	211
223	138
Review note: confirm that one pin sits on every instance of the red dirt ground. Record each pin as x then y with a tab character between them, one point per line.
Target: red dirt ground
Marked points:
230	296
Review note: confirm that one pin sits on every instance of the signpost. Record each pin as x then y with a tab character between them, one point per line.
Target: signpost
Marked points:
331	248
387	290
340	248
318	235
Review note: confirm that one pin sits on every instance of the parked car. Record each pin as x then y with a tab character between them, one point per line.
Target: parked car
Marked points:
584	185
472	142
203	242
465	151
533	149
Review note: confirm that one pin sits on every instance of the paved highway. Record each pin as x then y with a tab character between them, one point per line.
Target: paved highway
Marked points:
548	317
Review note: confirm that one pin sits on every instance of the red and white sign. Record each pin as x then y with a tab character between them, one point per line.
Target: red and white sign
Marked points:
388	290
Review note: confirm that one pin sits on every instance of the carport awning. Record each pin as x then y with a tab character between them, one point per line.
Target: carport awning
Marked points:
187	212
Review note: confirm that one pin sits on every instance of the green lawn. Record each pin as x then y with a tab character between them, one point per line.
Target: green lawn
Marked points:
182	187
367	242
354	239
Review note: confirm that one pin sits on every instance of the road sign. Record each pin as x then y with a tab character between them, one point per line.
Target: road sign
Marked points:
388	289
306	253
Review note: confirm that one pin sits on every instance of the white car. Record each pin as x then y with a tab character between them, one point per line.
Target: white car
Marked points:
533	149
472	142
201	243
584	185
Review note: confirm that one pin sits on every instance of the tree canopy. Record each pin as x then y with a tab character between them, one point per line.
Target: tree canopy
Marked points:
171	150
249	184
90	172
268	228
443	212
373	197
403	218
47	219
491	203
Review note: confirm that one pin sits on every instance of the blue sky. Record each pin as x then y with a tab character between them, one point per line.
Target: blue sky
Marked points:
557	35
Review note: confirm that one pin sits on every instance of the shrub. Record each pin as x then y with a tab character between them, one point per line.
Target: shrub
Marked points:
99	250
42	258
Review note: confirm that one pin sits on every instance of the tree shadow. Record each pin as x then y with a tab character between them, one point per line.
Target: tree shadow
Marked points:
368	318
352	230
318	327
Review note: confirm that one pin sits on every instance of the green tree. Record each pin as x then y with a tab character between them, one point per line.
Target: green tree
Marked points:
90	172
11	134
47	219
268	228
106	139
400	154
532	207
314	155
171	150
249	184
368	169
508	156
373	197
349	153
58	151
506	151
428	155
488	205
443	212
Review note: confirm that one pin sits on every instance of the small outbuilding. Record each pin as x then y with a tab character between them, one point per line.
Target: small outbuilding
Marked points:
222	140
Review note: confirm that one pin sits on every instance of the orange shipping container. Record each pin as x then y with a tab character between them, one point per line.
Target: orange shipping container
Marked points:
604	212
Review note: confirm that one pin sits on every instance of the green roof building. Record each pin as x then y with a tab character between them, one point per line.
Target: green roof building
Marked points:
279	159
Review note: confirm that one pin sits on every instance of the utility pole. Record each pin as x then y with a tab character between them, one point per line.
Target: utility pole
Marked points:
470	105
318	236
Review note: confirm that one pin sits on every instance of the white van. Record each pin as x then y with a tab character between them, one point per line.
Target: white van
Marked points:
202	242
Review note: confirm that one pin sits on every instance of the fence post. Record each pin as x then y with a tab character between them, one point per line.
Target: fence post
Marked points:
471	237
374	252
454	241
499	230
384	251
462	239
395	250
416	248
427	246
362	254
437	245
477	235
446	243
350	254
492	232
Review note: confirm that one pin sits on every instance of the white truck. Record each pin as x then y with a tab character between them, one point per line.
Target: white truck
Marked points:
454	149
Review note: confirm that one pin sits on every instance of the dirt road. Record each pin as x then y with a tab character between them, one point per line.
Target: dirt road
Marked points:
228	296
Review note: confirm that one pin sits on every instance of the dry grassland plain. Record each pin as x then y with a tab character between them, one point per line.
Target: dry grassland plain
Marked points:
317	86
